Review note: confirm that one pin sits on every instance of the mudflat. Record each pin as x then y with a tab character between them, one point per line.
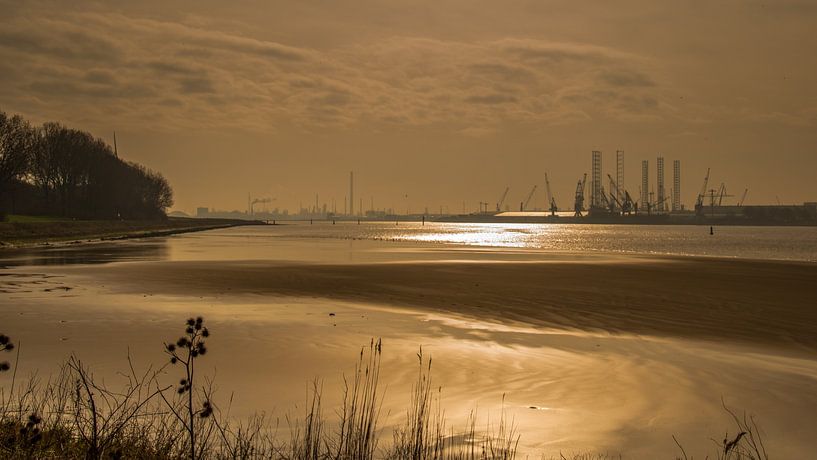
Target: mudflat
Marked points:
752	302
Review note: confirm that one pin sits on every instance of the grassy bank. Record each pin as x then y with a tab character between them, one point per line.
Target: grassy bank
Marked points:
22	231
171	412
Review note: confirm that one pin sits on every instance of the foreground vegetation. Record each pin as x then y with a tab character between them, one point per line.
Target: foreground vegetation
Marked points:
74	416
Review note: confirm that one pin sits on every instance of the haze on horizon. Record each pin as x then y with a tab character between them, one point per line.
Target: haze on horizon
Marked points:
431	103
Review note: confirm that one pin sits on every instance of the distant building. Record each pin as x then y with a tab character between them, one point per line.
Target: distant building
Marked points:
202	212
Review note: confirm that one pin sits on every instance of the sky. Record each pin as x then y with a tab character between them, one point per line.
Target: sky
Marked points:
433	103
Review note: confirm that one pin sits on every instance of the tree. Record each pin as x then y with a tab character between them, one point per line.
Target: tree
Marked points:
16	140
76	174
158	194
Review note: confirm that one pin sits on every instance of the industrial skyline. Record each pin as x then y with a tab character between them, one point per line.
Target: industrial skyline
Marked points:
649	197
442	102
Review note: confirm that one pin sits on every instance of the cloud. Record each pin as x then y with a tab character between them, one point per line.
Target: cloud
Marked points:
625	78
537	51
490	99
56	39
196	85
201	76
102	77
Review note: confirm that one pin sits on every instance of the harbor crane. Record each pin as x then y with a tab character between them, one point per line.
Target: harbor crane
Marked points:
612	202
524	206
627	206
578	204
700	201
551	201
502	199
605	202
743	197
715	198
721	194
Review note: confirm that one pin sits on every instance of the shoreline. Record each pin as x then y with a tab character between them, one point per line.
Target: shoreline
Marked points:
68	233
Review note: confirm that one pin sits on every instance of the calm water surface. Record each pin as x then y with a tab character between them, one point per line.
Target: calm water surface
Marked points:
782	243
434	241
568	391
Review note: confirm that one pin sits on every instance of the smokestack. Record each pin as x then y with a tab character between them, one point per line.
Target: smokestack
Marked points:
351	193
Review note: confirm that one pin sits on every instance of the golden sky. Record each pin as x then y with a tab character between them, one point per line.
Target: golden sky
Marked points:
440	101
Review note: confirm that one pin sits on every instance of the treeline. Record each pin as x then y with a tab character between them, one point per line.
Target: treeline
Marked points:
56	170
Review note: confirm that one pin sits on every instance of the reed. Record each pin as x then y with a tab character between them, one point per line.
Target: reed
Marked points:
74	415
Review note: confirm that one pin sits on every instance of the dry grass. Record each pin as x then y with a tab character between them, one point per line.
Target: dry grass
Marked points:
74	416
745	444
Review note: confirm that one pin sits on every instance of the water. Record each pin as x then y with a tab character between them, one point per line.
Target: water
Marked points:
776	243
469	241
568	389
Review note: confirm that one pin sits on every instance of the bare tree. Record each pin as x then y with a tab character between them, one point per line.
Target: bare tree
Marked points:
77	174
16	139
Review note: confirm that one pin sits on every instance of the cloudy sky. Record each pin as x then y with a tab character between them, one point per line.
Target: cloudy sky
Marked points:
431	102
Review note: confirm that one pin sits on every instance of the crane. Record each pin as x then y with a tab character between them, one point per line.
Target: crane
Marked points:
524	205
551	201
721	193
578	205
627	205
715	197
613	203
628	201
605	202
700	201
743	197
502	199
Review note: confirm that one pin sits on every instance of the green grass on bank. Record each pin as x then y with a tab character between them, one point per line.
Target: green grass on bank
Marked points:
34	230
19	218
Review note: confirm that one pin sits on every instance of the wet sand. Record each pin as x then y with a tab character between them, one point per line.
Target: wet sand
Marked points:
753	302
592	352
